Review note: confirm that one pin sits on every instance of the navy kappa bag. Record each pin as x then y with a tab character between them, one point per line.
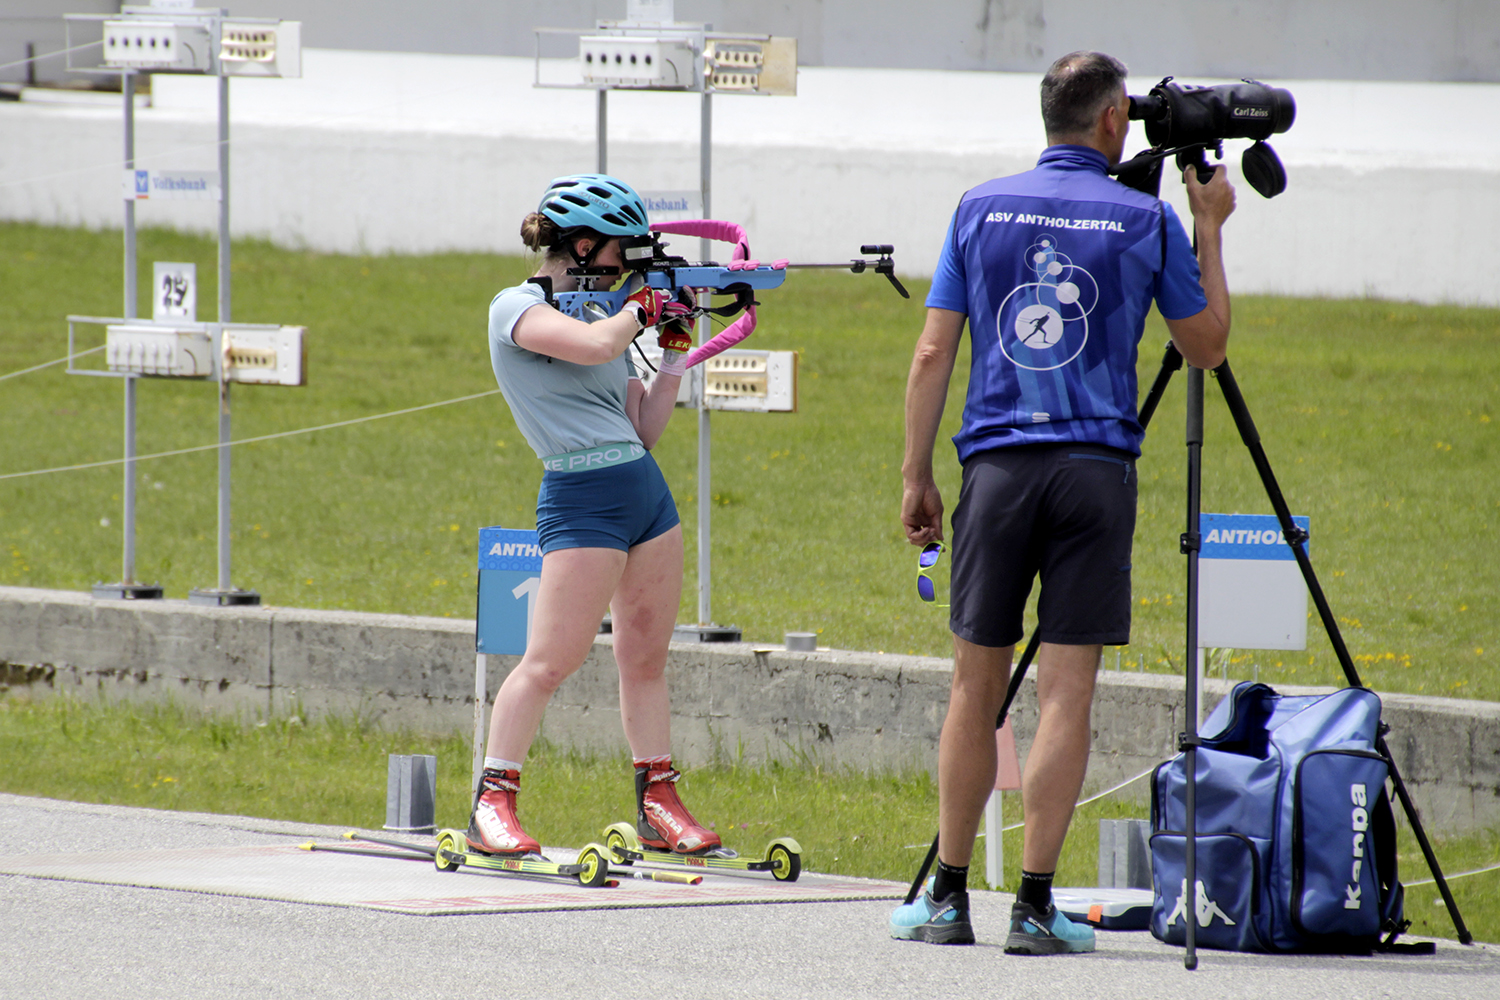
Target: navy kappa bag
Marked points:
1296	845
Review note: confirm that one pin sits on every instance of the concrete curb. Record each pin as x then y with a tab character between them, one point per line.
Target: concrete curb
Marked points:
730	701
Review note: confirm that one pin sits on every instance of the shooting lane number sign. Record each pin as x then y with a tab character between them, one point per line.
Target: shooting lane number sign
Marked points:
510	571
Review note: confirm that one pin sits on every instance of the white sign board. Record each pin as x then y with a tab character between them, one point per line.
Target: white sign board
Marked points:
174	291
172	185
673	206
1251	594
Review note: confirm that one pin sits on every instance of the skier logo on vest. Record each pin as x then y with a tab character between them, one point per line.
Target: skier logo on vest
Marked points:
1043	324
1206	908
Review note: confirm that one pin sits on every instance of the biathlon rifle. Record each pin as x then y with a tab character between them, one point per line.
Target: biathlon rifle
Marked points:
647	257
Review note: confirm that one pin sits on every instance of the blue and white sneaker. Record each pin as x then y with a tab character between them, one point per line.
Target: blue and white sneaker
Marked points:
926	919
1033	932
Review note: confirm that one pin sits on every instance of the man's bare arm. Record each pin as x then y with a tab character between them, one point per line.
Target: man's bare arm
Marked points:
1203	337
926	394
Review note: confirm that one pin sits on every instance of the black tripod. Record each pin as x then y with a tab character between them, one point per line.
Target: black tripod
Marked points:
1295	536
1191	542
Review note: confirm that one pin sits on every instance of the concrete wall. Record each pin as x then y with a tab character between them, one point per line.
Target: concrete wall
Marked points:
373	152
840	709
1323	39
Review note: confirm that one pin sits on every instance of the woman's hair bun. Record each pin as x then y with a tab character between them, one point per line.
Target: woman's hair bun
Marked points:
539	232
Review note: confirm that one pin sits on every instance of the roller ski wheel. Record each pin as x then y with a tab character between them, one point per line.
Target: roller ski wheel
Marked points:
591	869
783	857
623	842
449	846
594	868
786	863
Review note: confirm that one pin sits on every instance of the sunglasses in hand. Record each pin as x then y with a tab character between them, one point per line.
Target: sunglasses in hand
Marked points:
925	561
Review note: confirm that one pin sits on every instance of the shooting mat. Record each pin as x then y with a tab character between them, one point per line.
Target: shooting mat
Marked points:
287	873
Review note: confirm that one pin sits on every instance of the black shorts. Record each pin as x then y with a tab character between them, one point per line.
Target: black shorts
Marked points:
1065	512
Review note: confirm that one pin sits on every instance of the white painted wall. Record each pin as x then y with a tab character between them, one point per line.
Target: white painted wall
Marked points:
1283	39
1391	185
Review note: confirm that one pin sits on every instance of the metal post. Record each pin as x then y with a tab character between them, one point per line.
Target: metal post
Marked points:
224	593
481	696
705	434
224	317
128	86
127	570
127	588
601	131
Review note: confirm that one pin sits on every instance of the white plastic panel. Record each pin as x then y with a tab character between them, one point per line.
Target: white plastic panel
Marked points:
140	43
261	48
155	350
267	356
621	61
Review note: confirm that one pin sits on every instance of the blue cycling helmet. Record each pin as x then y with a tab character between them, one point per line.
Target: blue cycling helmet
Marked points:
599	202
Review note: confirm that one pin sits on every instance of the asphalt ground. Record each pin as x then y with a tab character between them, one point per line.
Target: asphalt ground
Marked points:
69	939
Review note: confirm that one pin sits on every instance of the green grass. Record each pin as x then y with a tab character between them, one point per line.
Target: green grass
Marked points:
332	771
1378	418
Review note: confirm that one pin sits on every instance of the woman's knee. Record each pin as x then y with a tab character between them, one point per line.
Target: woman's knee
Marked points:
545	674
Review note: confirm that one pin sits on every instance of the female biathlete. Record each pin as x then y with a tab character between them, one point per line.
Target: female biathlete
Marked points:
608	526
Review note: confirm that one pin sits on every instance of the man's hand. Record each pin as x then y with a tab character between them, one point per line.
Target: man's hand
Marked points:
922	512
1212	203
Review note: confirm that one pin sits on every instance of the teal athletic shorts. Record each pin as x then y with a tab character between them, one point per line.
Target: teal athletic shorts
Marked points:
615	507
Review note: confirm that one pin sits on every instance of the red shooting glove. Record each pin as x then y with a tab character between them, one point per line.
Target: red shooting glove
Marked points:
649	303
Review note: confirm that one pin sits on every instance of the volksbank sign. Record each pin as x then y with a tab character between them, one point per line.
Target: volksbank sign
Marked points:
181	185
673	206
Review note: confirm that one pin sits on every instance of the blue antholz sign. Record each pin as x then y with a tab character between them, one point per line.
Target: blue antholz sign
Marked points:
510	571
1246	536
1250	587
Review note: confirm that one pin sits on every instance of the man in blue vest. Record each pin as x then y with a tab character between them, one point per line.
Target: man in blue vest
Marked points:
1054	271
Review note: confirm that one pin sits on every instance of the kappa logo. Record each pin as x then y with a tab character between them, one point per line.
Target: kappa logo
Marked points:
1205	909
1359	822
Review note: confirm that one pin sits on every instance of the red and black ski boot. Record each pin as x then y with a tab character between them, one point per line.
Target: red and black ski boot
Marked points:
493	827
662	821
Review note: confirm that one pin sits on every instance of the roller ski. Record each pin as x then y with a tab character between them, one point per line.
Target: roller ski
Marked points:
496	842
591	869
665	833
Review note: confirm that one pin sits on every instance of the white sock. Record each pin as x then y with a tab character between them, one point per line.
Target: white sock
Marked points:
664	760
501	764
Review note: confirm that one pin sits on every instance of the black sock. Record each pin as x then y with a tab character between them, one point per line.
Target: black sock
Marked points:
1036	890
949	880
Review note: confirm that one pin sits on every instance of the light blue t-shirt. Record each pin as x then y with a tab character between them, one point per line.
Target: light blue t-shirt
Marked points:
559	406
1056	269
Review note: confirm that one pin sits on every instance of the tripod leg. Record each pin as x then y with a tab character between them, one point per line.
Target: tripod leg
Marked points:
1246	426
1016	676
1171	361
1464	937
1190	546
